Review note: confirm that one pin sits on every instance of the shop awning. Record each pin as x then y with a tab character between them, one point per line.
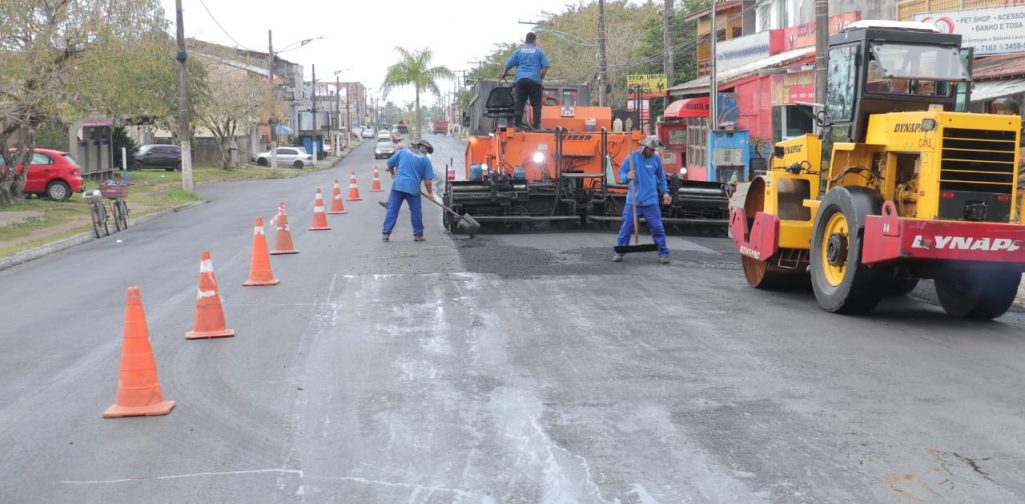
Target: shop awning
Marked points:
732	74
689	107
283	130
991	90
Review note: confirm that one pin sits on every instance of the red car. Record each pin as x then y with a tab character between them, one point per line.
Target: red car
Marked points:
51	173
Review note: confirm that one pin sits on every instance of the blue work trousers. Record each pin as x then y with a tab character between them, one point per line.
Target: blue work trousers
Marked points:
395	200
653	215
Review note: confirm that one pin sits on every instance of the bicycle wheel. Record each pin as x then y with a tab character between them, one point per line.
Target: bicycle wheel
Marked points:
123	205
99	216
120	211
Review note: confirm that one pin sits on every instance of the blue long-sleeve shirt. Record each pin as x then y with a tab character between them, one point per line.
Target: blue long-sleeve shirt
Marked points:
649	178
413	169
528	60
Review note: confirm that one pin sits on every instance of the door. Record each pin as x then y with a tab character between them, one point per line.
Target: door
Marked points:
286	155
41	169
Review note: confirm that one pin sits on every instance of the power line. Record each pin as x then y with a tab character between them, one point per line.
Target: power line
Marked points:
218	23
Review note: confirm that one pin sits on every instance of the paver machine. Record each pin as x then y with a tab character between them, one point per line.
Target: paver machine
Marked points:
913	187
563	172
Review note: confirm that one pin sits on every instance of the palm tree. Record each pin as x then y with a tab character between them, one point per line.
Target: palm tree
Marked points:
414	68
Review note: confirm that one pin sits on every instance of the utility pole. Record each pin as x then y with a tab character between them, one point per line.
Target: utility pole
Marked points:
713	84
667	41
183	105
271	116
313	110
603	77
821	46
338	116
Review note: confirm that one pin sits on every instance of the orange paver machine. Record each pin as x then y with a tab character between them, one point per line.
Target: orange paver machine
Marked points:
564	171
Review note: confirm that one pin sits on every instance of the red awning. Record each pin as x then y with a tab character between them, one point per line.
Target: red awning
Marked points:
690	107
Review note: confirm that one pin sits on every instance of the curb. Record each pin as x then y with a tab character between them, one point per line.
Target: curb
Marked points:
79	239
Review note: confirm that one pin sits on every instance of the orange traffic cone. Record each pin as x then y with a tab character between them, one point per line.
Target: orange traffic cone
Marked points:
283	238
375	185
353	189
138	387
319	217
259	267
209	312
336	200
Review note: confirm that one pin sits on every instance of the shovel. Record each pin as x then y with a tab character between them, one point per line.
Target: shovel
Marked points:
647	247
464	222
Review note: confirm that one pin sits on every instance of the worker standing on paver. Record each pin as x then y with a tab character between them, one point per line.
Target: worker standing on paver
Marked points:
408	168
531	67
644	168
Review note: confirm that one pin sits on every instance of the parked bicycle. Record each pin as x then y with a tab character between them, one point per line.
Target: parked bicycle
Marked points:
109	203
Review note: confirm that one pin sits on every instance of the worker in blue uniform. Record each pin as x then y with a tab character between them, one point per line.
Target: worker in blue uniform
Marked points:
531	67
644	168
409	168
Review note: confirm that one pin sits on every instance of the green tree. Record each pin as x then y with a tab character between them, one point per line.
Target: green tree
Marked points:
414	69
60	59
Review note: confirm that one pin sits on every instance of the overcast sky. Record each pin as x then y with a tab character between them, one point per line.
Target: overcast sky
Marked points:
361	36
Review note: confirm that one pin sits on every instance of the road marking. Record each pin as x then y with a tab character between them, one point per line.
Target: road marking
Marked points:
297	472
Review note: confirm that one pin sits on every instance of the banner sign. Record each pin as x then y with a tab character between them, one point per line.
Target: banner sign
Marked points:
653	83
790	88
989	31
796	37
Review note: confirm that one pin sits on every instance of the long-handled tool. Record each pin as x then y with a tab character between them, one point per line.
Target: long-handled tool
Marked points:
626	249
464	222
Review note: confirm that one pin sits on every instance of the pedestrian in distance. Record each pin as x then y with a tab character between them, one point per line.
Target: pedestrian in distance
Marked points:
409	168
531	67
644	168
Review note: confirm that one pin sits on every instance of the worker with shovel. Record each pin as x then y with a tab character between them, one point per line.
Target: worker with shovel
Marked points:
409	167
643	171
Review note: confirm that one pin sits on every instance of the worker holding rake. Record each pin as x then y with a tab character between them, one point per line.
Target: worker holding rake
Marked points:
643	171
409	168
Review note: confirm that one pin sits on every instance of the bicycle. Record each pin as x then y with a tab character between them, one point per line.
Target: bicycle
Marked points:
118	208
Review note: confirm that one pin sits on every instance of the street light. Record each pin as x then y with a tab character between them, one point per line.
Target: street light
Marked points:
271	120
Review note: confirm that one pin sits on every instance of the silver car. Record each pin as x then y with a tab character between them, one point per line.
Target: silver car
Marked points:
288	156
384	149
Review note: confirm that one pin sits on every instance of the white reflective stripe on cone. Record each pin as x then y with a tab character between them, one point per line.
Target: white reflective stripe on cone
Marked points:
200	294
318	208
206	266
257	230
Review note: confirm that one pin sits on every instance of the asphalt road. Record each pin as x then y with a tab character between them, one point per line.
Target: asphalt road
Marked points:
500	369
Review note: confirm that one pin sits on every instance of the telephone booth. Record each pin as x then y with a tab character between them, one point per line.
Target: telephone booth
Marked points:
90	143
672	131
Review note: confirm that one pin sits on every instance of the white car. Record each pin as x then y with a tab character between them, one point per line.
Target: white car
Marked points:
288	156
384	135
368	132
384	149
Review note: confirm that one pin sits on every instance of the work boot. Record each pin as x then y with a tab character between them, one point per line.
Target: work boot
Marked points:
617	258
663	259
419	238
383	203
385	237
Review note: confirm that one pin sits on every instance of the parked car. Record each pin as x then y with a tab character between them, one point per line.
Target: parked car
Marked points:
288	156
384	135
168	157
51	173
384	149
368	132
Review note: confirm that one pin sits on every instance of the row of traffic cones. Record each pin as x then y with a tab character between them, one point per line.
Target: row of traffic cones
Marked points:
139	392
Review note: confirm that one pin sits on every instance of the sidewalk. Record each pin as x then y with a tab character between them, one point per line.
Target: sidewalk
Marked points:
61	241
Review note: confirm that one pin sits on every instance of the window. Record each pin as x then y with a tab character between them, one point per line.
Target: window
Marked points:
286	152
41	159
906	61
697	140
841	81
791	121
